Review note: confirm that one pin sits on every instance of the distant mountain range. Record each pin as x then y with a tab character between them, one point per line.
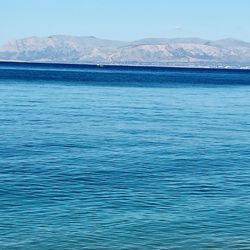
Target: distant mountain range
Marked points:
187	52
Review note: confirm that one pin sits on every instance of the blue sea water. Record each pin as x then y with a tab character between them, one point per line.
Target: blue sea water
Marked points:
124	158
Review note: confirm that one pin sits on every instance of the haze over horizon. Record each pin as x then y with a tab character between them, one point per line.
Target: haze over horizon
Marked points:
122	40
108	19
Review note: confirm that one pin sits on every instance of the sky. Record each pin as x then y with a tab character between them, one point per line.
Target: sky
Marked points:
126	19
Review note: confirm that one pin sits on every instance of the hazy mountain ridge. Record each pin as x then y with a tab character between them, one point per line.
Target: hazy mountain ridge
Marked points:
149	51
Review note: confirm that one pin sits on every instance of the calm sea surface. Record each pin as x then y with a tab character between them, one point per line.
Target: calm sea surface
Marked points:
124	158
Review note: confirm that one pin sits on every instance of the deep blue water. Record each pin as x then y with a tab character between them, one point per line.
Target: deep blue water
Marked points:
124	158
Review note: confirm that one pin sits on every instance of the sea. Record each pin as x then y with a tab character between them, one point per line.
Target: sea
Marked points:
115	157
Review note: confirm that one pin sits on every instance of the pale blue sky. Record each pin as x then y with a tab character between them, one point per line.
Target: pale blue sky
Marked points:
126	19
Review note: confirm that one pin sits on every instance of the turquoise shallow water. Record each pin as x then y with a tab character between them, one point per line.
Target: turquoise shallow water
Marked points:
118	158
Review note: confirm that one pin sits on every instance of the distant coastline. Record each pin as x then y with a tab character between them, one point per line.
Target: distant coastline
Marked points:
149	52
120	66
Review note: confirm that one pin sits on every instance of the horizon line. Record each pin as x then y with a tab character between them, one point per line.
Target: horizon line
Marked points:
123	65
